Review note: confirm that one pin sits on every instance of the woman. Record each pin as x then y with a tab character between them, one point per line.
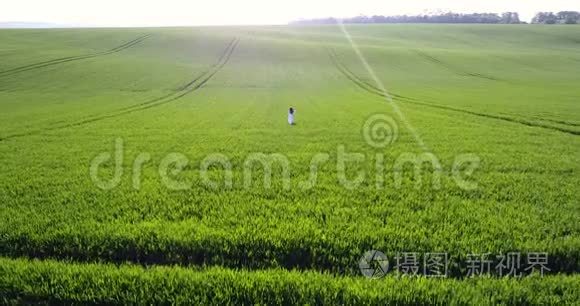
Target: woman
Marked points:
291	116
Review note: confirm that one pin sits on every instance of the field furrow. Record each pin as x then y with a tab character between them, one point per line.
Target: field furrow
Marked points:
195	84
375	91
62	60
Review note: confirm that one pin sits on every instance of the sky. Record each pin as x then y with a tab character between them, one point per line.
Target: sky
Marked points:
246	12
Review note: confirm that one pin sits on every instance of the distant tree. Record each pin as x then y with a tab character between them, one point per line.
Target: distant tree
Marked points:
568	17
379	19
545	17
516	17
510	18
450	17
506	17
538	18
360	19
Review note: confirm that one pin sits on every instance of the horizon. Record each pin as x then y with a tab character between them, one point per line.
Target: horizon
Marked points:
180	13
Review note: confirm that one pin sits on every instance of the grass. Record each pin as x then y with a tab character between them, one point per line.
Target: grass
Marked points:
507	94
25	281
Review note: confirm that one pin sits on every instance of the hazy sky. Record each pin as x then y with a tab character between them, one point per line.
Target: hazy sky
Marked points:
212	12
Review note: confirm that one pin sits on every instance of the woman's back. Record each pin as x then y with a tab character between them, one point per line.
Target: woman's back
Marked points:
291	116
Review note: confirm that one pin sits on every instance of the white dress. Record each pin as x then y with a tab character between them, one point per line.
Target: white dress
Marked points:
291	118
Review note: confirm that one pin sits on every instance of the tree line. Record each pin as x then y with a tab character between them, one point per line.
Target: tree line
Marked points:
564	17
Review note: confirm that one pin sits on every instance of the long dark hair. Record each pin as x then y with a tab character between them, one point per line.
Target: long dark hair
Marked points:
291	110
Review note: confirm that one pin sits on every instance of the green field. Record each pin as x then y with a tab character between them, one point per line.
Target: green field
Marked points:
506	94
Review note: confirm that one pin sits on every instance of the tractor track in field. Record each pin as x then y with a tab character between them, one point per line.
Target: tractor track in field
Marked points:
193	85
63	60
452	68
365	85
563	122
